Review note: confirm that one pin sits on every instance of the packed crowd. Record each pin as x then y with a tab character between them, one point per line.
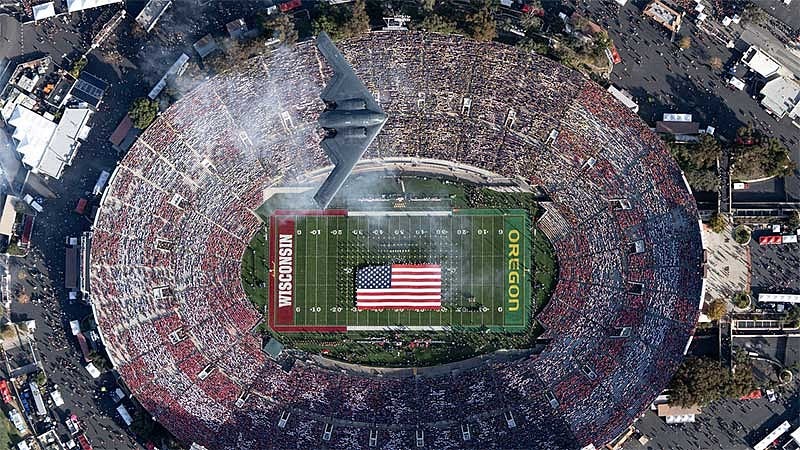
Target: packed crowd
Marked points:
178	326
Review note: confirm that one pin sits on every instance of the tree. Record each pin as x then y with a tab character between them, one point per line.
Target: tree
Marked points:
529	20
142	112
533	45
78	67
601	43
741	300
741	234
717	309
435	23
717	223
793	317
715	62
481	25
758	157
685	42
341	22
794	219
703	180
280	27
755	14
700	381
428	5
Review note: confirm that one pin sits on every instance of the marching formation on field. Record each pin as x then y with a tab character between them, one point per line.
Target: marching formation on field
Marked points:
177	217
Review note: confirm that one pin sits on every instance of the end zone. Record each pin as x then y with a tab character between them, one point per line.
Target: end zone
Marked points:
282	275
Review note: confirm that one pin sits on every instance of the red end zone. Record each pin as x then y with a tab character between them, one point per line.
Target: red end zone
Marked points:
282	279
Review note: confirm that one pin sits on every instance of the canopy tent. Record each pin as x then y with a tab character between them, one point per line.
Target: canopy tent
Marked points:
44	11
78	5
32	133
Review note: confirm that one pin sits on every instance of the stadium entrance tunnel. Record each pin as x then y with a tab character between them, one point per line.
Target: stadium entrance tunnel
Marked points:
343	282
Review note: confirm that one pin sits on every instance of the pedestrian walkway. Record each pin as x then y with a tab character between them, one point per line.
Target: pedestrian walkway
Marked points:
728	265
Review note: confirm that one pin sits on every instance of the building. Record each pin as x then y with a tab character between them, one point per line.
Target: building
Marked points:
205	46
773	436
40	85
779	298
32	133
781	96
80	5
176	70
43	11
89	89
151	13
71	130
46	147
624	97
676	415
237	29
678	128
760	62
664	15
8	217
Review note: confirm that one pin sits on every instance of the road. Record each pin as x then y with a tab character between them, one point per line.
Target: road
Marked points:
131	63
662	78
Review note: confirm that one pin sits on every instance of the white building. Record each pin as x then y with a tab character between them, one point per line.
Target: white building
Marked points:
760	62
624	97
46	147
43	11
781	96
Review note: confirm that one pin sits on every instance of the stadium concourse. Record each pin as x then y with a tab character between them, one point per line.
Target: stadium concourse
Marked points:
178	215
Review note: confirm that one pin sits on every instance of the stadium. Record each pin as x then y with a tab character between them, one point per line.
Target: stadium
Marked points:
182	207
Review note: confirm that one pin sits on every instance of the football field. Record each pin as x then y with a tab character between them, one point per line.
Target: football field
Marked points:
314	256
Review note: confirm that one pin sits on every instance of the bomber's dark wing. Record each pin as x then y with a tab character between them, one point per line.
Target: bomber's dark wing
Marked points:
344	152
345	84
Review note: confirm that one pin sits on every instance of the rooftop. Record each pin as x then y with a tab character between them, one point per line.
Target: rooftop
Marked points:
781	96
151	12
79	5
663	14
760	63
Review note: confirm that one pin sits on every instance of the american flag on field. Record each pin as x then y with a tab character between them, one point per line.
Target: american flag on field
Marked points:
399	286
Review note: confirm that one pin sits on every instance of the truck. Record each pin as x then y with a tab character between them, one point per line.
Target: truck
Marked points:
81	208
33	203
101	183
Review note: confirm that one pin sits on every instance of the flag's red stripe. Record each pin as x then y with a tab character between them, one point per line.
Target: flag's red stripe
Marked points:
415	280
398	291
415	266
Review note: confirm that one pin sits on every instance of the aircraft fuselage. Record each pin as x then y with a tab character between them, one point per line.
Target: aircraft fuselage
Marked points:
361	118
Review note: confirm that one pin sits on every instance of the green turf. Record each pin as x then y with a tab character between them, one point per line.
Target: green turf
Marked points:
470	245
360	347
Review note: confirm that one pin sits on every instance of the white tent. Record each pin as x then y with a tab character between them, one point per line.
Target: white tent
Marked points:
78	5
64	144
46	147
43	11
32	133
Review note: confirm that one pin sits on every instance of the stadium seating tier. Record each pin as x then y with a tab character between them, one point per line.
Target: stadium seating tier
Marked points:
179	328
